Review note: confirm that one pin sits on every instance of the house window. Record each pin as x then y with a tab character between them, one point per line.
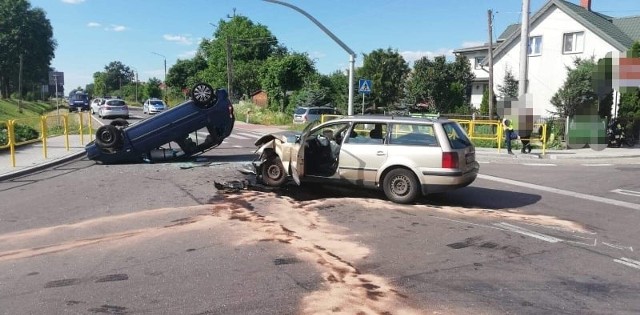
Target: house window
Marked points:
535	45
478	62
573	43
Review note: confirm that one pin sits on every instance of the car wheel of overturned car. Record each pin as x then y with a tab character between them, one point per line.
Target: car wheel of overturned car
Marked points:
400	186
273	172
108	137
203	95
119	122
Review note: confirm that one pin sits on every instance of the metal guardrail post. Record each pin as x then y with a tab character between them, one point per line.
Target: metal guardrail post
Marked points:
500	132
91	127
544	139
471	128
80	128
43	132
12	142
65	124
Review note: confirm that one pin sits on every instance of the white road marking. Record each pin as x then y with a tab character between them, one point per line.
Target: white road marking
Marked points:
238	137
523	231
597	164
484	162
620	247
250	135
574	194
539	164
628	262
627	192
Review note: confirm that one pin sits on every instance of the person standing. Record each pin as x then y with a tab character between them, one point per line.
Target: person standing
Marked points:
508	133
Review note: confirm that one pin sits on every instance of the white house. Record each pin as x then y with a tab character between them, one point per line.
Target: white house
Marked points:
559	32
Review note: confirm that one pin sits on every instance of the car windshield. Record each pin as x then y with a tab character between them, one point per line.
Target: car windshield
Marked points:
157	103
300	111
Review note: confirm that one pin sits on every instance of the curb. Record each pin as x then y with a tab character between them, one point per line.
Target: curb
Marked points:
39	167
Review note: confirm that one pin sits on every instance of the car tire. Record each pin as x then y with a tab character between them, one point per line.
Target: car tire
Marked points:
273	172
203	95
401	186
108	137
119	122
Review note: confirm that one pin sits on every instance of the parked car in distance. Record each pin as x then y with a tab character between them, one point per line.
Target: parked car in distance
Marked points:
95	105
153	106
404	157
195	126
306	114
114	107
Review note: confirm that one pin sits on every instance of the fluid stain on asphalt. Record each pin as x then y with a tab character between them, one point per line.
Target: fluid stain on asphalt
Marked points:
315	240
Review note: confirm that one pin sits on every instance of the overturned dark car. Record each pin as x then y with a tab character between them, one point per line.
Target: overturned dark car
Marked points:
192	127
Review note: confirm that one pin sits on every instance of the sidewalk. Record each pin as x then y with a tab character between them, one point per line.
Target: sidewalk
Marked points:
30	158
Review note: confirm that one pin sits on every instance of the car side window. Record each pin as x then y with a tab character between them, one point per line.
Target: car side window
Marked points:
368	133
412	134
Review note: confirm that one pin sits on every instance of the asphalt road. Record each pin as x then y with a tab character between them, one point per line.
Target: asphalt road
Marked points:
160	238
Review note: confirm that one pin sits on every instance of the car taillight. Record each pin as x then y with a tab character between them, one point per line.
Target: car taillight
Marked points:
450	160
230	110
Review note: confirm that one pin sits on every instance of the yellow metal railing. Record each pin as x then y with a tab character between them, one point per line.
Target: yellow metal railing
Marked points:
46	125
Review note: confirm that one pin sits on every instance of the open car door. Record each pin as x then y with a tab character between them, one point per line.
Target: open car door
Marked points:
297	162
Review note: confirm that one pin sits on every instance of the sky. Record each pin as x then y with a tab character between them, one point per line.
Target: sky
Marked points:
142	34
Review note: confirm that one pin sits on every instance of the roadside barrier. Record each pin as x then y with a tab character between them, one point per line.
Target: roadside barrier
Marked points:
45	127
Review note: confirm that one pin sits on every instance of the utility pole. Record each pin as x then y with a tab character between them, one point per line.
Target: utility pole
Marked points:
490	21
524	49
229	68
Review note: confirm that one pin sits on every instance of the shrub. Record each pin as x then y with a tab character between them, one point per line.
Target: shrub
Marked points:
23	133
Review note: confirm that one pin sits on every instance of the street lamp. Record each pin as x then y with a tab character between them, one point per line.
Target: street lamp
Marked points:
352	55
164	91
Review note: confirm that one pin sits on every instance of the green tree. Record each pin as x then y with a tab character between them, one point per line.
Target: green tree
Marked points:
338	84
576	94
24	32
283	74
99	84
630	103
484	105
387	71
117	75
249	46
446	85
152	88
179	75
509	87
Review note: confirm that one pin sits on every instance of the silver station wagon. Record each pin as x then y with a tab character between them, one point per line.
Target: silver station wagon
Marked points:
404	157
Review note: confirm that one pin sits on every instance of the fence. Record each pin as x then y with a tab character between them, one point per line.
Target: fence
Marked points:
44	127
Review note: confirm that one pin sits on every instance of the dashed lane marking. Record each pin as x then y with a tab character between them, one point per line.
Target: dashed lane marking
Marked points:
628	262
597	164
523	231
539	164
574	194
627	192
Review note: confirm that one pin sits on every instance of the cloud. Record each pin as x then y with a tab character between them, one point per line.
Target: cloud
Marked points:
411	56
116	28
472	44
188	54
93	24
181	39
73	1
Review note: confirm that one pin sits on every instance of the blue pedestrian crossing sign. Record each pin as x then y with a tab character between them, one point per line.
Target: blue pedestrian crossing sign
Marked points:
364	86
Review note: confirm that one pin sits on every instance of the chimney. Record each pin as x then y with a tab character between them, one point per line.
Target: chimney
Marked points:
586	4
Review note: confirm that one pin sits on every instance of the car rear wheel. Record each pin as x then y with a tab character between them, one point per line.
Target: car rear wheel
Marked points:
273	172
401	186
203	95
108	137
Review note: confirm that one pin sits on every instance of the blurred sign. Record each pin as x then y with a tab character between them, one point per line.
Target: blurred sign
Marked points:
56	77
364	86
